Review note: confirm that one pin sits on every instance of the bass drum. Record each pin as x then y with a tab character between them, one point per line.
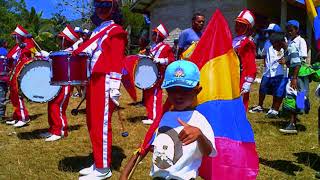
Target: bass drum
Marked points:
34	82
146	73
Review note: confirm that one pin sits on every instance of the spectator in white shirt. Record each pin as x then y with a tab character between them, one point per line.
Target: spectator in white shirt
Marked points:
273	81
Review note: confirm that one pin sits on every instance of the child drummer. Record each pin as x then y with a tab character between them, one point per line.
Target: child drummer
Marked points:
57	107
162	55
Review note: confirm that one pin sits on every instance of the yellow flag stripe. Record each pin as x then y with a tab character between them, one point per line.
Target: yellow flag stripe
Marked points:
311	10
220	78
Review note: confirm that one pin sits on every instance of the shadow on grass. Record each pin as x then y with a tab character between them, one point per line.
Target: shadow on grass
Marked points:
76	163
309	159
35	116
136	119
137	104
36	133
282	124
80	111
284	166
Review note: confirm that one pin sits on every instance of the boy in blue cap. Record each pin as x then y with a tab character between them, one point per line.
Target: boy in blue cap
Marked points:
295	88
273	82
296	100
184	135
293	27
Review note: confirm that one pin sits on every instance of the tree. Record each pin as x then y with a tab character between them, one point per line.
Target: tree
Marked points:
82	10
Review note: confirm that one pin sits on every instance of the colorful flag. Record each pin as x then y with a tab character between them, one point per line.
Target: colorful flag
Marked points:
313	14
220	102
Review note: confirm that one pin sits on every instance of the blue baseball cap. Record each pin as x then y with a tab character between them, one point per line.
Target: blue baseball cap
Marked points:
293	23
274	27
181	73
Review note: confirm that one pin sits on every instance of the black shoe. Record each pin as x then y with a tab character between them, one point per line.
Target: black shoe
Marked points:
290	129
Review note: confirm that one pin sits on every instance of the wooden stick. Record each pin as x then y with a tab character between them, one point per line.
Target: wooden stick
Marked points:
120	118
134	167
36	44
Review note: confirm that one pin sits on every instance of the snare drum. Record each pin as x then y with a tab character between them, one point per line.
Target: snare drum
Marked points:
146	73
34	82
67	69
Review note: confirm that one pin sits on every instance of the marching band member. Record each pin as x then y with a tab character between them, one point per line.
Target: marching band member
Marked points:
246	50
162	55
107	49
84	36
21	53
57	117
3	78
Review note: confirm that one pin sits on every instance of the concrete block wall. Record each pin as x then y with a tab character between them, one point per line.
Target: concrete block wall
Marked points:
178	13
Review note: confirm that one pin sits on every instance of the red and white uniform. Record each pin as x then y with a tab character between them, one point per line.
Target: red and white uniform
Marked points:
19	56
153	96
57	117
246	50
57	107
108	53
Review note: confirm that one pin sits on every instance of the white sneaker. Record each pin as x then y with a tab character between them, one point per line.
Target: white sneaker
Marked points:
87	171
256	109
147	121
21	123
45	135
11	122
53	138
97	174
272	114
270	111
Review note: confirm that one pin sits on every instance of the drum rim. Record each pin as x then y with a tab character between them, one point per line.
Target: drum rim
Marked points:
19	79
69	83
66	53
135	67
60	53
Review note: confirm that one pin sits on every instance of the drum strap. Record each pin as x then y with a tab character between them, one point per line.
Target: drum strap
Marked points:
92	40
157	49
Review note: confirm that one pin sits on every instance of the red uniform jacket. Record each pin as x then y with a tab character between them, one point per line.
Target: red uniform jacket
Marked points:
109	60
163	50
247	55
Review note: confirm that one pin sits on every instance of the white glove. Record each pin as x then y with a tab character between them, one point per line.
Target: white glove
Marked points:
318	91
246	87
163	61
115	96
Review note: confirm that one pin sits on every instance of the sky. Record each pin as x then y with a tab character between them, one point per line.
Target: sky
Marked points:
49	7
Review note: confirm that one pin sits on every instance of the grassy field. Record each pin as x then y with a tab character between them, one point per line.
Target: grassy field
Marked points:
23	155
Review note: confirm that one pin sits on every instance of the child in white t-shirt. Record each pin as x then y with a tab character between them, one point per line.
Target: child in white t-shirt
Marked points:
184	135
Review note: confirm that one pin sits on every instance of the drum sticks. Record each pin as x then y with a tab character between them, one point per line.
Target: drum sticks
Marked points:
36	44
123	133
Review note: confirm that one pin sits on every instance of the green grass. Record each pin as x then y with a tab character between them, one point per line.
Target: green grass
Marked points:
24	156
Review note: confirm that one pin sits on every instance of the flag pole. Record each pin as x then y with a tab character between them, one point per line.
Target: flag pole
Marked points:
134	167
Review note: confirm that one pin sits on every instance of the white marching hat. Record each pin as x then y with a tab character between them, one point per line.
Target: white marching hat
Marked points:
246	17
69	34
20	31
162	30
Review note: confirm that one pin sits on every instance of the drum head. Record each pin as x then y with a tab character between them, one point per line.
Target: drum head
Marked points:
59	53
34	82
146	74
